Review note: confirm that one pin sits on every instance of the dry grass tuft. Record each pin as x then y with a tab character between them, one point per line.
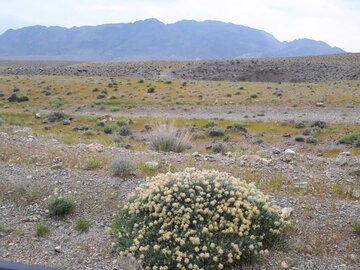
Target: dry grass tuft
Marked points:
168	138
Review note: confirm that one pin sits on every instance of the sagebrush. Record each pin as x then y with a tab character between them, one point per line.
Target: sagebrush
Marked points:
196	220
122	167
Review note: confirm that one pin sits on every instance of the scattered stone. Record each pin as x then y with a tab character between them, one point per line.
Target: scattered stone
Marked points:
56	166
253	160
284	265
289	152
320	104
95	147
66	122
106	118
148	127
276	151
356	193
300	138
58	249
355	173
345	154
301	185
236	128
286	212
341	160
152	165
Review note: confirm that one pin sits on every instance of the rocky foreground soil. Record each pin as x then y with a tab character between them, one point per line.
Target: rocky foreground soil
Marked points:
321	235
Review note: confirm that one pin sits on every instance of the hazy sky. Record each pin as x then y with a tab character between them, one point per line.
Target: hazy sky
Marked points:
336	22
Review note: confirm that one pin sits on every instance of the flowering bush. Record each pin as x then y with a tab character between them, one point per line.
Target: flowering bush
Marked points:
196	220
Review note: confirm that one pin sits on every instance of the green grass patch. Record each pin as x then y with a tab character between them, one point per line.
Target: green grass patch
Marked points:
42	230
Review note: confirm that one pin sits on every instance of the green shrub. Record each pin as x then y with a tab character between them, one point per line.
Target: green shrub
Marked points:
108	129
319	124
311	140
118	140
210	124
60	206
237	128
313	132
122	167
100	123
42	230
167	138
353	139
196	220
121	123
299	125
125	130
215	132
55	102
356	226
20	98
218	148
92	164
151	90
82	225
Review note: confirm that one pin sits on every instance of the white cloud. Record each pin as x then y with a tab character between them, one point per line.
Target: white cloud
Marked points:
336	22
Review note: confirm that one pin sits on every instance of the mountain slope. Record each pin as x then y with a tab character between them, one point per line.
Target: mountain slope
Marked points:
152	40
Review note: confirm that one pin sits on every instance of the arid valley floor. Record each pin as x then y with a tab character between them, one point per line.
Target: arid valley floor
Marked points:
279	123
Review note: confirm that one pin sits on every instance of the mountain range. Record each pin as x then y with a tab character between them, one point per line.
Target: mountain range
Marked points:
152	40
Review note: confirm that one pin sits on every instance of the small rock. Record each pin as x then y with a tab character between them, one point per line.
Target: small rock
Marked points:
301	185
95	147
31	139
286	212
37	115
289	152
355	173
57	249
196	154
356	193
320	104
152	165
106	118
56	166
276	151
341	161
300	138
353	257
66	122
345	154
284	265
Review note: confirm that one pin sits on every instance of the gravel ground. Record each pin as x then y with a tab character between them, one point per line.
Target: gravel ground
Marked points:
321	236
292	69
241	113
